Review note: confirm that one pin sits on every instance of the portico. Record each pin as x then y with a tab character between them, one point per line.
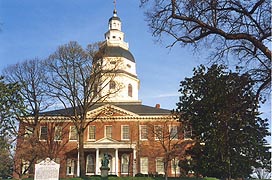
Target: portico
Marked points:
113	148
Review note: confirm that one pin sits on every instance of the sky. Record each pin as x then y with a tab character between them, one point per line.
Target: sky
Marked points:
35	28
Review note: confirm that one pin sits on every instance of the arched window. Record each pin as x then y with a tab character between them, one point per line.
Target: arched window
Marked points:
90	164
112	85
130	90
125	163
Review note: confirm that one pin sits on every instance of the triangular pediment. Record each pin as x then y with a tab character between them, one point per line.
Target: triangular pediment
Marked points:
106	140
109	110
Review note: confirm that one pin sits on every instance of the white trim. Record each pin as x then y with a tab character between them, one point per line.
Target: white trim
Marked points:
142	161
175	160
55	129
105	131
70	130
140	133
159	160
72	161
155	131
170	130
41	133
89	139
122	132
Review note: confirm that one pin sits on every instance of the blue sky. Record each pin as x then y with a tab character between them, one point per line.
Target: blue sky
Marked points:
35	28
31	28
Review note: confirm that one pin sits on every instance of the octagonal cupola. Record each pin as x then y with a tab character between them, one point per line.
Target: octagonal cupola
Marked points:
114	35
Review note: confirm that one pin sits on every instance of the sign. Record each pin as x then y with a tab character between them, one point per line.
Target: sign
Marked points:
47	170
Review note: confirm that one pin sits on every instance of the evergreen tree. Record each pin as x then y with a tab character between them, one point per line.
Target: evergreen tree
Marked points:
229	133
10	101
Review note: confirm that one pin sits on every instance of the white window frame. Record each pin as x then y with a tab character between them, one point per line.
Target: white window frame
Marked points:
144	165
105	135
141	132
70	133
25	166
122	132
159	165
70	162
186	132
175	137
175	161
89	129
58	129
41	133
87	163
156	128
125	163
28	131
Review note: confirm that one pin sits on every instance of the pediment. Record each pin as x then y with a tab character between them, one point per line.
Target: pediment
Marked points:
106	140
109	110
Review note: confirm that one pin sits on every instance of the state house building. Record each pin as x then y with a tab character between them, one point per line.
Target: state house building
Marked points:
129	132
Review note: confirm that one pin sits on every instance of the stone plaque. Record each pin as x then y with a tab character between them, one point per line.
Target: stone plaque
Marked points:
47	170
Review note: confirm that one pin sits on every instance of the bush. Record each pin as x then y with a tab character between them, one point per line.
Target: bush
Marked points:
210	178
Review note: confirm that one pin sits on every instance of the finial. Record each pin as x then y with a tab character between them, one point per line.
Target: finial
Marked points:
114	11
114	2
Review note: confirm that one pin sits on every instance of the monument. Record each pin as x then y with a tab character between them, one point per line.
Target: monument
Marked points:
104	166
47	170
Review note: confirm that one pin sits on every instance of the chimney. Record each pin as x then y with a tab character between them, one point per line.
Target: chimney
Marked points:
158	106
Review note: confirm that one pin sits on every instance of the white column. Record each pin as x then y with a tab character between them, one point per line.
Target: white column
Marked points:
78	165
97	161
134	162
116	162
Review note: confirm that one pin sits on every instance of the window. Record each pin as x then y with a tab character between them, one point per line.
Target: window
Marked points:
90	165
175	169
124	163
143	132
158	132
58	132
92	132
108	130
125	132
112	85
43	133
70	167
130	90
187	133
144	165
173	132
25	167
159	166
28	131
73	133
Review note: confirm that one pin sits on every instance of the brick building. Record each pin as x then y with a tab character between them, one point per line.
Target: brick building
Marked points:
137	138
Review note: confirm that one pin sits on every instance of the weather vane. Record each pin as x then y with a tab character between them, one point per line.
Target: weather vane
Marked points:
114	2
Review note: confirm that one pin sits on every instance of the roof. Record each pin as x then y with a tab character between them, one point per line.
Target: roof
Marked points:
136	108
114	18
117	51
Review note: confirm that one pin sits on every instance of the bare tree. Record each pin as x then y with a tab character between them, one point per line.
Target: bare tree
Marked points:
30	76
78	80
233	28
